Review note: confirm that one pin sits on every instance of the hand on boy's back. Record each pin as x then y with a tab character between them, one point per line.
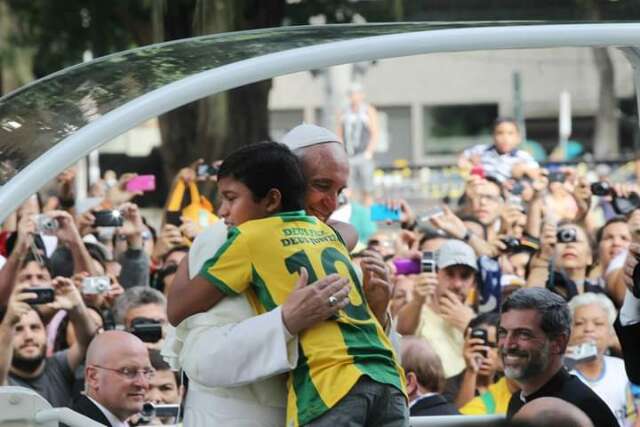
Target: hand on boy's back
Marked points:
308	304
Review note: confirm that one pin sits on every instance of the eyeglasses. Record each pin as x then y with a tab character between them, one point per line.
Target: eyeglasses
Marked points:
130	373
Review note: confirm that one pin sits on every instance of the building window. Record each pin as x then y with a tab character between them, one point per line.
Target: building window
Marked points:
449	129
282	121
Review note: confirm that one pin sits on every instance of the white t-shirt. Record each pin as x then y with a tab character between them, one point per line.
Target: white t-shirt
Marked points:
613	387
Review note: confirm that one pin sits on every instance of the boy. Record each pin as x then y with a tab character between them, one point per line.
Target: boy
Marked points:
272	239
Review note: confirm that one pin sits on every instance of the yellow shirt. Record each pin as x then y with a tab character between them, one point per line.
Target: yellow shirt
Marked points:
264	257
446	340
493	401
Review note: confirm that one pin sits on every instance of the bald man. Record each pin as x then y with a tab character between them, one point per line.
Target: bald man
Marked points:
425	378
551	411
117	375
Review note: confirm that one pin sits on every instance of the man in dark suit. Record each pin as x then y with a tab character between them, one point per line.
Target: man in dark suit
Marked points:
117	377
425	379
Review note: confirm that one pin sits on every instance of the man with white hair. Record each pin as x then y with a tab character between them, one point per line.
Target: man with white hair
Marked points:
592	328
214	347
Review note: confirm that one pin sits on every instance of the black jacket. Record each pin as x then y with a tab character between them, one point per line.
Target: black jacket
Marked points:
432	405
86	407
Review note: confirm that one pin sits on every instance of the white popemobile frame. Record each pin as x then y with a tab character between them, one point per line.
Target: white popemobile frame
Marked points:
152	104
86	139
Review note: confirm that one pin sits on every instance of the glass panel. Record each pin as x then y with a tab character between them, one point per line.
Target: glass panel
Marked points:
449	129
37	116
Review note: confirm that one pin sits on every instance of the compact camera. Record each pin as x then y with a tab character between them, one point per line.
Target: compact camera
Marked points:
96	285
567	235
46	225
150	410
584	352
109	218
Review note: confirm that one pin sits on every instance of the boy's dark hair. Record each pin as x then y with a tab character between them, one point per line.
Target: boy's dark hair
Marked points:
264	166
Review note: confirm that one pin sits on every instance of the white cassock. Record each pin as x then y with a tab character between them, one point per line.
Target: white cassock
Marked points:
236	361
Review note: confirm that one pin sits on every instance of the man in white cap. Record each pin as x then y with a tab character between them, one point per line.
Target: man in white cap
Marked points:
439	311
251	348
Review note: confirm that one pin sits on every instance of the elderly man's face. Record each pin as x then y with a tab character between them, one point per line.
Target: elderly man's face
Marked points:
121	381
523	346
326	169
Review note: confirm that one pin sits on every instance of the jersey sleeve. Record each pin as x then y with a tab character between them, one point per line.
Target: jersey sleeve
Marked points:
229	269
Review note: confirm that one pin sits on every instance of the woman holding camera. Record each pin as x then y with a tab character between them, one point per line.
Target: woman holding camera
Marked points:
562	264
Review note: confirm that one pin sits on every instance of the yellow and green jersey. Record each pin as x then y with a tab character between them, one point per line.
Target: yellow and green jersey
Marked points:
264	257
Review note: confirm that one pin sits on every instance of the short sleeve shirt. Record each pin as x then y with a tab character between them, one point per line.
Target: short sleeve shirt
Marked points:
55	383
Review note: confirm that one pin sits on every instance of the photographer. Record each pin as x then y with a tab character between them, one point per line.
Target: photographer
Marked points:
143	312
592	328
480	358
22	334
439	310
563	262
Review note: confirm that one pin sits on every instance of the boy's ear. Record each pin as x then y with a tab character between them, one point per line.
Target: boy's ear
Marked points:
273	201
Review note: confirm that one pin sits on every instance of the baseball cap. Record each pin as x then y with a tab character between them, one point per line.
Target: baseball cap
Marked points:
456	252
306	135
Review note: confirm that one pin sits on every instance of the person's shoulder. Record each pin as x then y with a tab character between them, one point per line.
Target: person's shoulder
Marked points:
616	365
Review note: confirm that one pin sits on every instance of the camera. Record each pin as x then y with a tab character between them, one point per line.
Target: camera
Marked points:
46	225
96	285
600	189
44	295
109	218
567	235
511	243
626	205
584	352
150	410
557	176
205	170
428	262
148	330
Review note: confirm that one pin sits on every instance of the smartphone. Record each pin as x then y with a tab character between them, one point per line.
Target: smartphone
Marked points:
173	218
43	295
428	262
380	212
482	334
407	266
109	218
432	213
142	183
205	170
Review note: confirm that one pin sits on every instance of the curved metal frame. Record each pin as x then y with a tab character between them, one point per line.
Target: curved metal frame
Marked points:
210	82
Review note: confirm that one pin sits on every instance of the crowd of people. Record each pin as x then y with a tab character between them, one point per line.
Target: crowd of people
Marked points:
272	311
